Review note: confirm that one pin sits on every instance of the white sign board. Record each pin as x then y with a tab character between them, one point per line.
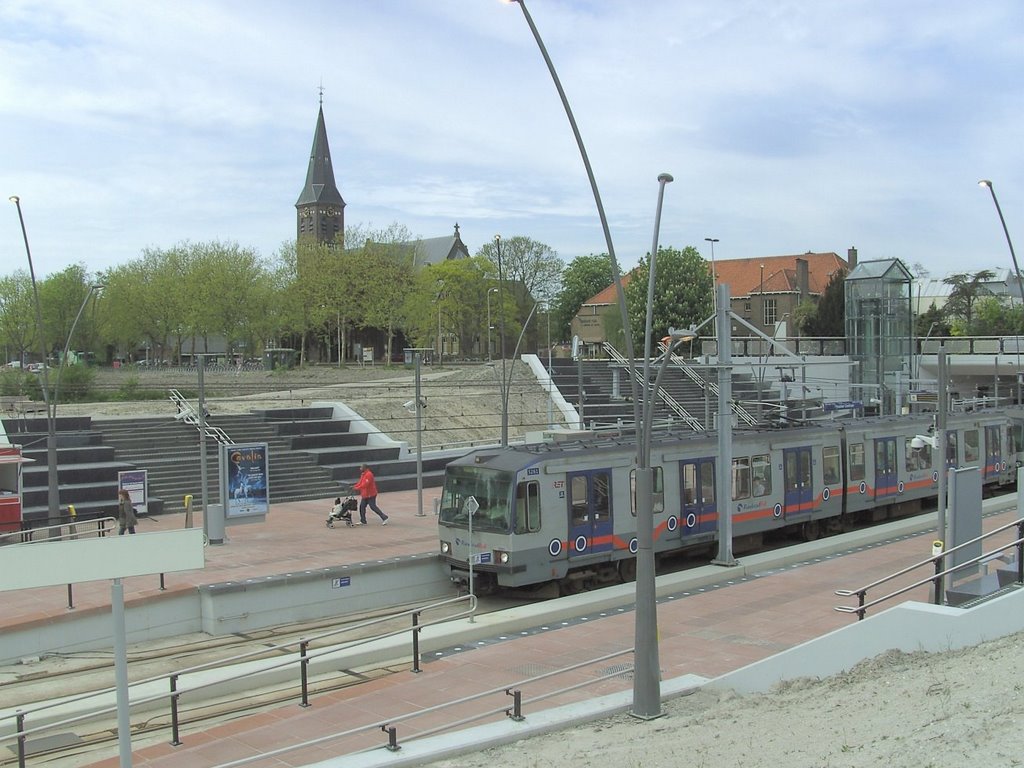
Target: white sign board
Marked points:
53	563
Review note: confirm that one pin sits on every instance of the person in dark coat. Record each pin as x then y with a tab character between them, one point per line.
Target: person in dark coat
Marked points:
126	517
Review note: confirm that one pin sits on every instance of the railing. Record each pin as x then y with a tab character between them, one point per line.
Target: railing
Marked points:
742	414
62	531
174	694
188	414
938	578
514	712
670	401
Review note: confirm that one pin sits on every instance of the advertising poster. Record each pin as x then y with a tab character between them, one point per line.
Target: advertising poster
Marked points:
245	470
134	481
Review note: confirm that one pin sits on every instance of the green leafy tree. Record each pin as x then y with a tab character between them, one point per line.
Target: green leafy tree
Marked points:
386	275
451	297
17	316
829	317
931	324
967	289
584	277
682	293
61	296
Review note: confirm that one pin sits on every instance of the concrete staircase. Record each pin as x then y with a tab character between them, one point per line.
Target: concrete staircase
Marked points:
87	469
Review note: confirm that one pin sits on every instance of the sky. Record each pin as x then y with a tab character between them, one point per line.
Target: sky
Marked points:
788	125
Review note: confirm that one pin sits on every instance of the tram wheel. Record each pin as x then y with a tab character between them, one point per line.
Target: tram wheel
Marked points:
627	570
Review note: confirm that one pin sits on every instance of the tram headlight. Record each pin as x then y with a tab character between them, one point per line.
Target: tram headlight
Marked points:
501	558
446	547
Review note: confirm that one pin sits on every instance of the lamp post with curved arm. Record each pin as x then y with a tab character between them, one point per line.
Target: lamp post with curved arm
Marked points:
489	327
646	687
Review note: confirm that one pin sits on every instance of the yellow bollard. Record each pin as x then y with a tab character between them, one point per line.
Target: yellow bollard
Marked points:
72	527
188	510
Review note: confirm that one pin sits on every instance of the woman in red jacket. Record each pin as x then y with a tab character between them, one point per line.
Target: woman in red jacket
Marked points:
367	487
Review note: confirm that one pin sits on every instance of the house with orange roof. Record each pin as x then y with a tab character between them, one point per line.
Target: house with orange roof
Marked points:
764	291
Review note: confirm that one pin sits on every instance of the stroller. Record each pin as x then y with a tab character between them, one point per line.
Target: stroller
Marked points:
342	511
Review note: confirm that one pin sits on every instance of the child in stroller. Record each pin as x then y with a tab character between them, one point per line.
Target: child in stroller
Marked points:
342	511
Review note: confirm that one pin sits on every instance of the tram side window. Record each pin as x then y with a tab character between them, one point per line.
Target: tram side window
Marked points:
578	499
527	507
659	489
971	452
761	474
741	478
1015	438
830	464
917	458
856	461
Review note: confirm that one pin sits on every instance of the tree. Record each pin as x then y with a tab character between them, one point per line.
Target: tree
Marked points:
530	268
584	277
17	316
829	317
682	293
967	289
386	273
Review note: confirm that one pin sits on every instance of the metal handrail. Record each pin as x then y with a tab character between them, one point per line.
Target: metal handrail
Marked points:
101	530
937	561
712	386
387	726
670	401
174	694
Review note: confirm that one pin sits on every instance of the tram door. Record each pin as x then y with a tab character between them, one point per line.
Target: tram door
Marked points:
590	512
993	452
799	498
700	513
886	468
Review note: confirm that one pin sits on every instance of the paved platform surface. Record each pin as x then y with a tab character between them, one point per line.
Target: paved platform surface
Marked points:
703	632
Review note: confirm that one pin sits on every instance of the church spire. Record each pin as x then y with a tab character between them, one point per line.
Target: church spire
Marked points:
320	208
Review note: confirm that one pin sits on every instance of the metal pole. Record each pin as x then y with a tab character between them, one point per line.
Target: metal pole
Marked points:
419	440
124	734
53	490
1009	242
550	383
940	444
714	278
204	477
339	338
501	343
723	475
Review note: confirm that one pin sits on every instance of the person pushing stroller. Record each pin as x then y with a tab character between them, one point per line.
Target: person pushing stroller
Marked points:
367	487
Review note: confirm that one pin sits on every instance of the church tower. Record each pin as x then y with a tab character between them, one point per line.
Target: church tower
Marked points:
320	210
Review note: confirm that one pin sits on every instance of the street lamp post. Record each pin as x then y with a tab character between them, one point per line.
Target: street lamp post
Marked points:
53	486
714	277
489	292
501	343
647	688
1013	255
440	342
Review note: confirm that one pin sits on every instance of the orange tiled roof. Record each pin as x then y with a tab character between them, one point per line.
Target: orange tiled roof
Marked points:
608	295
743	276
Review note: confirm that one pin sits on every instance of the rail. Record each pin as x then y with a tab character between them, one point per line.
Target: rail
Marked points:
515	712
938	578
670	401
174	694
742	414
61	531
188	414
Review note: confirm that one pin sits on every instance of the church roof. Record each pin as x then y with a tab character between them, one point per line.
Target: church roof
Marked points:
320	186
434	250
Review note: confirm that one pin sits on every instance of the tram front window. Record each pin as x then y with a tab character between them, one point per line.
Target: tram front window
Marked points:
490	488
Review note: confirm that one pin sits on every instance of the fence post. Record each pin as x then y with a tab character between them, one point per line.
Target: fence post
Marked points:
71	598
415	642
516	713
303	664
175	741
392	733
20	720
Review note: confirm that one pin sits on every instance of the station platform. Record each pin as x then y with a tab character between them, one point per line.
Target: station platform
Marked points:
711	621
